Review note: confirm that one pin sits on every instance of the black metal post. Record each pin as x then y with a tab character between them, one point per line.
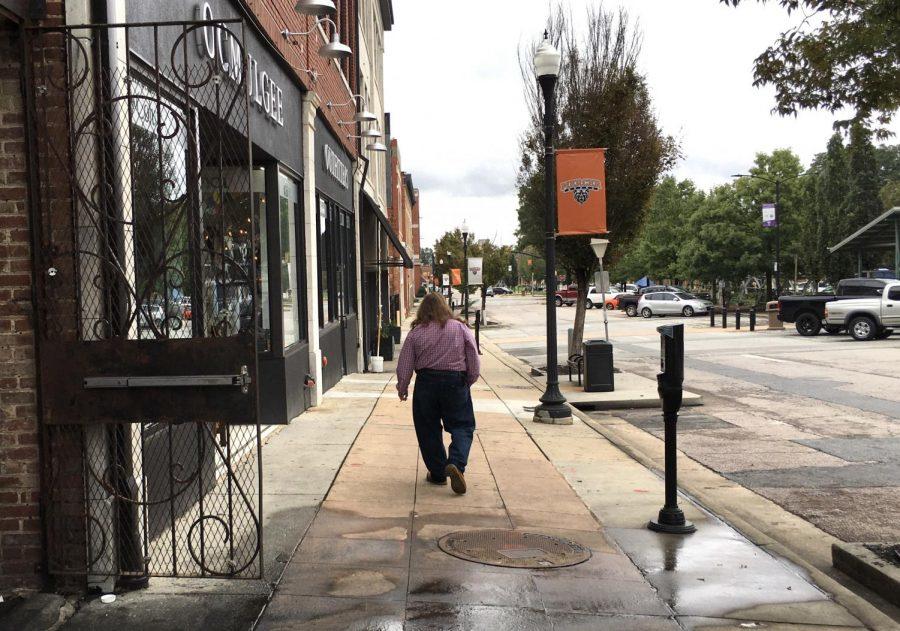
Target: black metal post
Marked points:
553	407
478	331
777	238
724	317
669	385
712	317
466	276
737	319
752	318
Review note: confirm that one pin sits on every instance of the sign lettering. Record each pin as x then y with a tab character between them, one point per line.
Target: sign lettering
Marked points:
335	167
223	51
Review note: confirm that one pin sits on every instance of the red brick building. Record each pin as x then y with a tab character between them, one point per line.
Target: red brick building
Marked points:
403	213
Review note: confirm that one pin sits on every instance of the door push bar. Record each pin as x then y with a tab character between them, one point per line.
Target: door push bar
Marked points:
241	380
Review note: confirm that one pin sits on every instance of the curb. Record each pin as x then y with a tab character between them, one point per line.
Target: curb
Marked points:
861	564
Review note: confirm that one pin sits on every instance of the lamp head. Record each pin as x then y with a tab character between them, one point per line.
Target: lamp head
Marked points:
364	116
335	49
599	247
372	132
376	146
547	59
464	228
315	7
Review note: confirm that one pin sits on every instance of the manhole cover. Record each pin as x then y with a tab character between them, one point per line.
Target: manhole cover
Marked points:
513	548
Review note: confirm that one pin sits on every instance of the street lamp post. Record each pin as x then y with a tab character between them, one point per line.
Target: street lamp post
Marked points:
465	235
553	407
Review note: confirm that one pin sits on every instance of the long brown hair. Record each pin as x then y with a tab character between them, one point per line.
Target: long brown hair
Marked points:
433	309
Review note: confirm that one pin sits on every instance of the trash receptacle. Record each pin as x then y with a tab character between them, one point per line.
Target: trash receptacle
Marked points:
598	366
772	314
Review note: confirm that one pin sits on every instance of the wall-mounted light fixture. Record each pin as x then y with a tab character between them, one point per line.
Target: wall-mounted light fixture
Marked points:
333	49
315	7
362	115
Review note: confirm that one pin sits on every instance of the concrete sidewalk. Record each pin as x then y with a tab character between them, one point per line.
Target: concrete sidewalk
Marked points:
370	558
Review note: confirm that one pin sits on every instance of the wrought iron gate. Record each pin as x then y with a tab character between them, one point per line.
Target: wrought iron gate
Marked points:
146	283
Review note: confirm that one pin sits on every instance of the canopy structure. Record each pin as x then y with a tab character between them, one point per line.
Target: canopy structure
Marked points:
882	233
405	259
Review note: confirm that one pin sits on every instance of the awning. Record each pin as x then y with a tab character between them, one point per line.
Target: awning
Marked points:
882	233
389	230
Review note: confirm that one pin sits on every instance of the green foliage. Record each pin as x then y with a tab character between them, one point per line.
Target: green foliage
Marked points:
656	253
723	242
864	205
847	59
831	202
496	259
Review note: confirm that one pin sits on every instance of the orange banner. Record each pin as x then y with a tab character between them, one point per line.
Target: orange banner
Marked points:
581	191
456	276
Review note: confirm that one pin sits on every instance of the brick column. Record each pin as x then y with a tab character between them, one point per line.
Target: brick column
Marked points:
20	528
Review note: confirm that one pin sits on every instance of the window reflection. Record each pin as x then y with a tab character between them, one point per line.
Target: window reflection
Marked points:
289	207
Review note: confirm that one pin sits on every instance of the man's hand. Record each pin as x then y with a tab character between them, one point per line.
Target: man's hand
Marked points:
403	395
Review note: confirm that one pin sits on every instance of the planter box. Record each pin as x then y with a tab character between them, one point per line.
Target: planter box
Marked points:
387	348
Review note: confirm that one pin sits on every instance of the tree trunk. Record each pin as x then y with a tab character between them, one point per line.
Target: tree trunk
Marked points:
581	278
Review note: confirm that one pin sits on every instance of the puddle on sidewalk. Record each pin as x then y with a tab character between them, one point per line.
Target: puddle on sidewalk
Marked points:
716	572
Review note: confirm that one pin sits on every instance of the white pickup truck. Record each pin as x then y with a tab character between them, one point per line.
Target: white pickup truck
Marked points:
867	318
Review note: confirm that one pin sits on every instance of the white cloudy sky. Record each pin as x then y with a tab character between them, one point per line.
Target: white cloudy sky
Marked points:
454	91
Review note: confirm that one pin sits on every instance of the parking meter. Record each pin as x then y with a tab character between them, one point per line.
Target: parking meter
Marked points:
669	385
671	359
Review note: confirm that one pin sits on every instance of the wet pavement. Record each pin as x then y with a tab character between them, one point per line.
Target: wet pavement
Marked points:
370	559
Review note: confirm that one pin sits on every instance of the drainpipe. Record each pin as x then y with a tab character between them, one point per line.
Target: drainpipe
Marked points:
362	264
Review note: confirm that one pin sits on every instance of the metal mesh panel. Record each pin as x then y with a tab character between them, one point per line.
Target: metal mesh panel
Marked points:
146	252
154	499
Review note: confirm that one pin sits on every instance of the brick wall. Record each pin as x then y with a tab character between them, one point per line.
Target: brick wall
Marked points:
20	538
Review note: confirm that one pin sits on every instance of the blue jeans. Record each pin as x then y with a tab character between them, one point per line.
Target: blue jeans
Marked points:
443	395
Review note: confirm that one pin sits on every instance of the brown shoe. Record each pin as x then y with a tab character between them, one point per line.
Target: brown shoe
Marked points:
457	479
430	478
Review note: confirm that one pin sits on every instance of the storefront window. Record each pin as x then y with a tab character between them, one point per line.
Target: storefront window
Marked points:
325	263
289	211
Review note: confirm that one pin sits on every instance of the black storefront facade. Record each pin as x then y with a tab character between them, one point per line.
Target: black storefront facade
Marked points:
275	183
335	221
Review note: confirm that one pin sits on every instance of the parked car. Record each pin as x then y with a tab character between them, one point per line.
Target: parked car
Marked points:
500	291
567	296
628	302
595	297
151	313
672	303
807	313
870	318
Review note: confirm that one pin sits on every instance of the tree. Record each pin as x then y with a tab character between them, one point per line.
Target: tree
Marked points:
865	180
847	60
752	193
832	196
723	242
603	102
655	251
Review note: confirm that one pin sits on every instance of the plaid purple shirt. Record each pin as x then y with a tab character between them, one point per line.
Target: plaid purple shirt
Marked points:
451	347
